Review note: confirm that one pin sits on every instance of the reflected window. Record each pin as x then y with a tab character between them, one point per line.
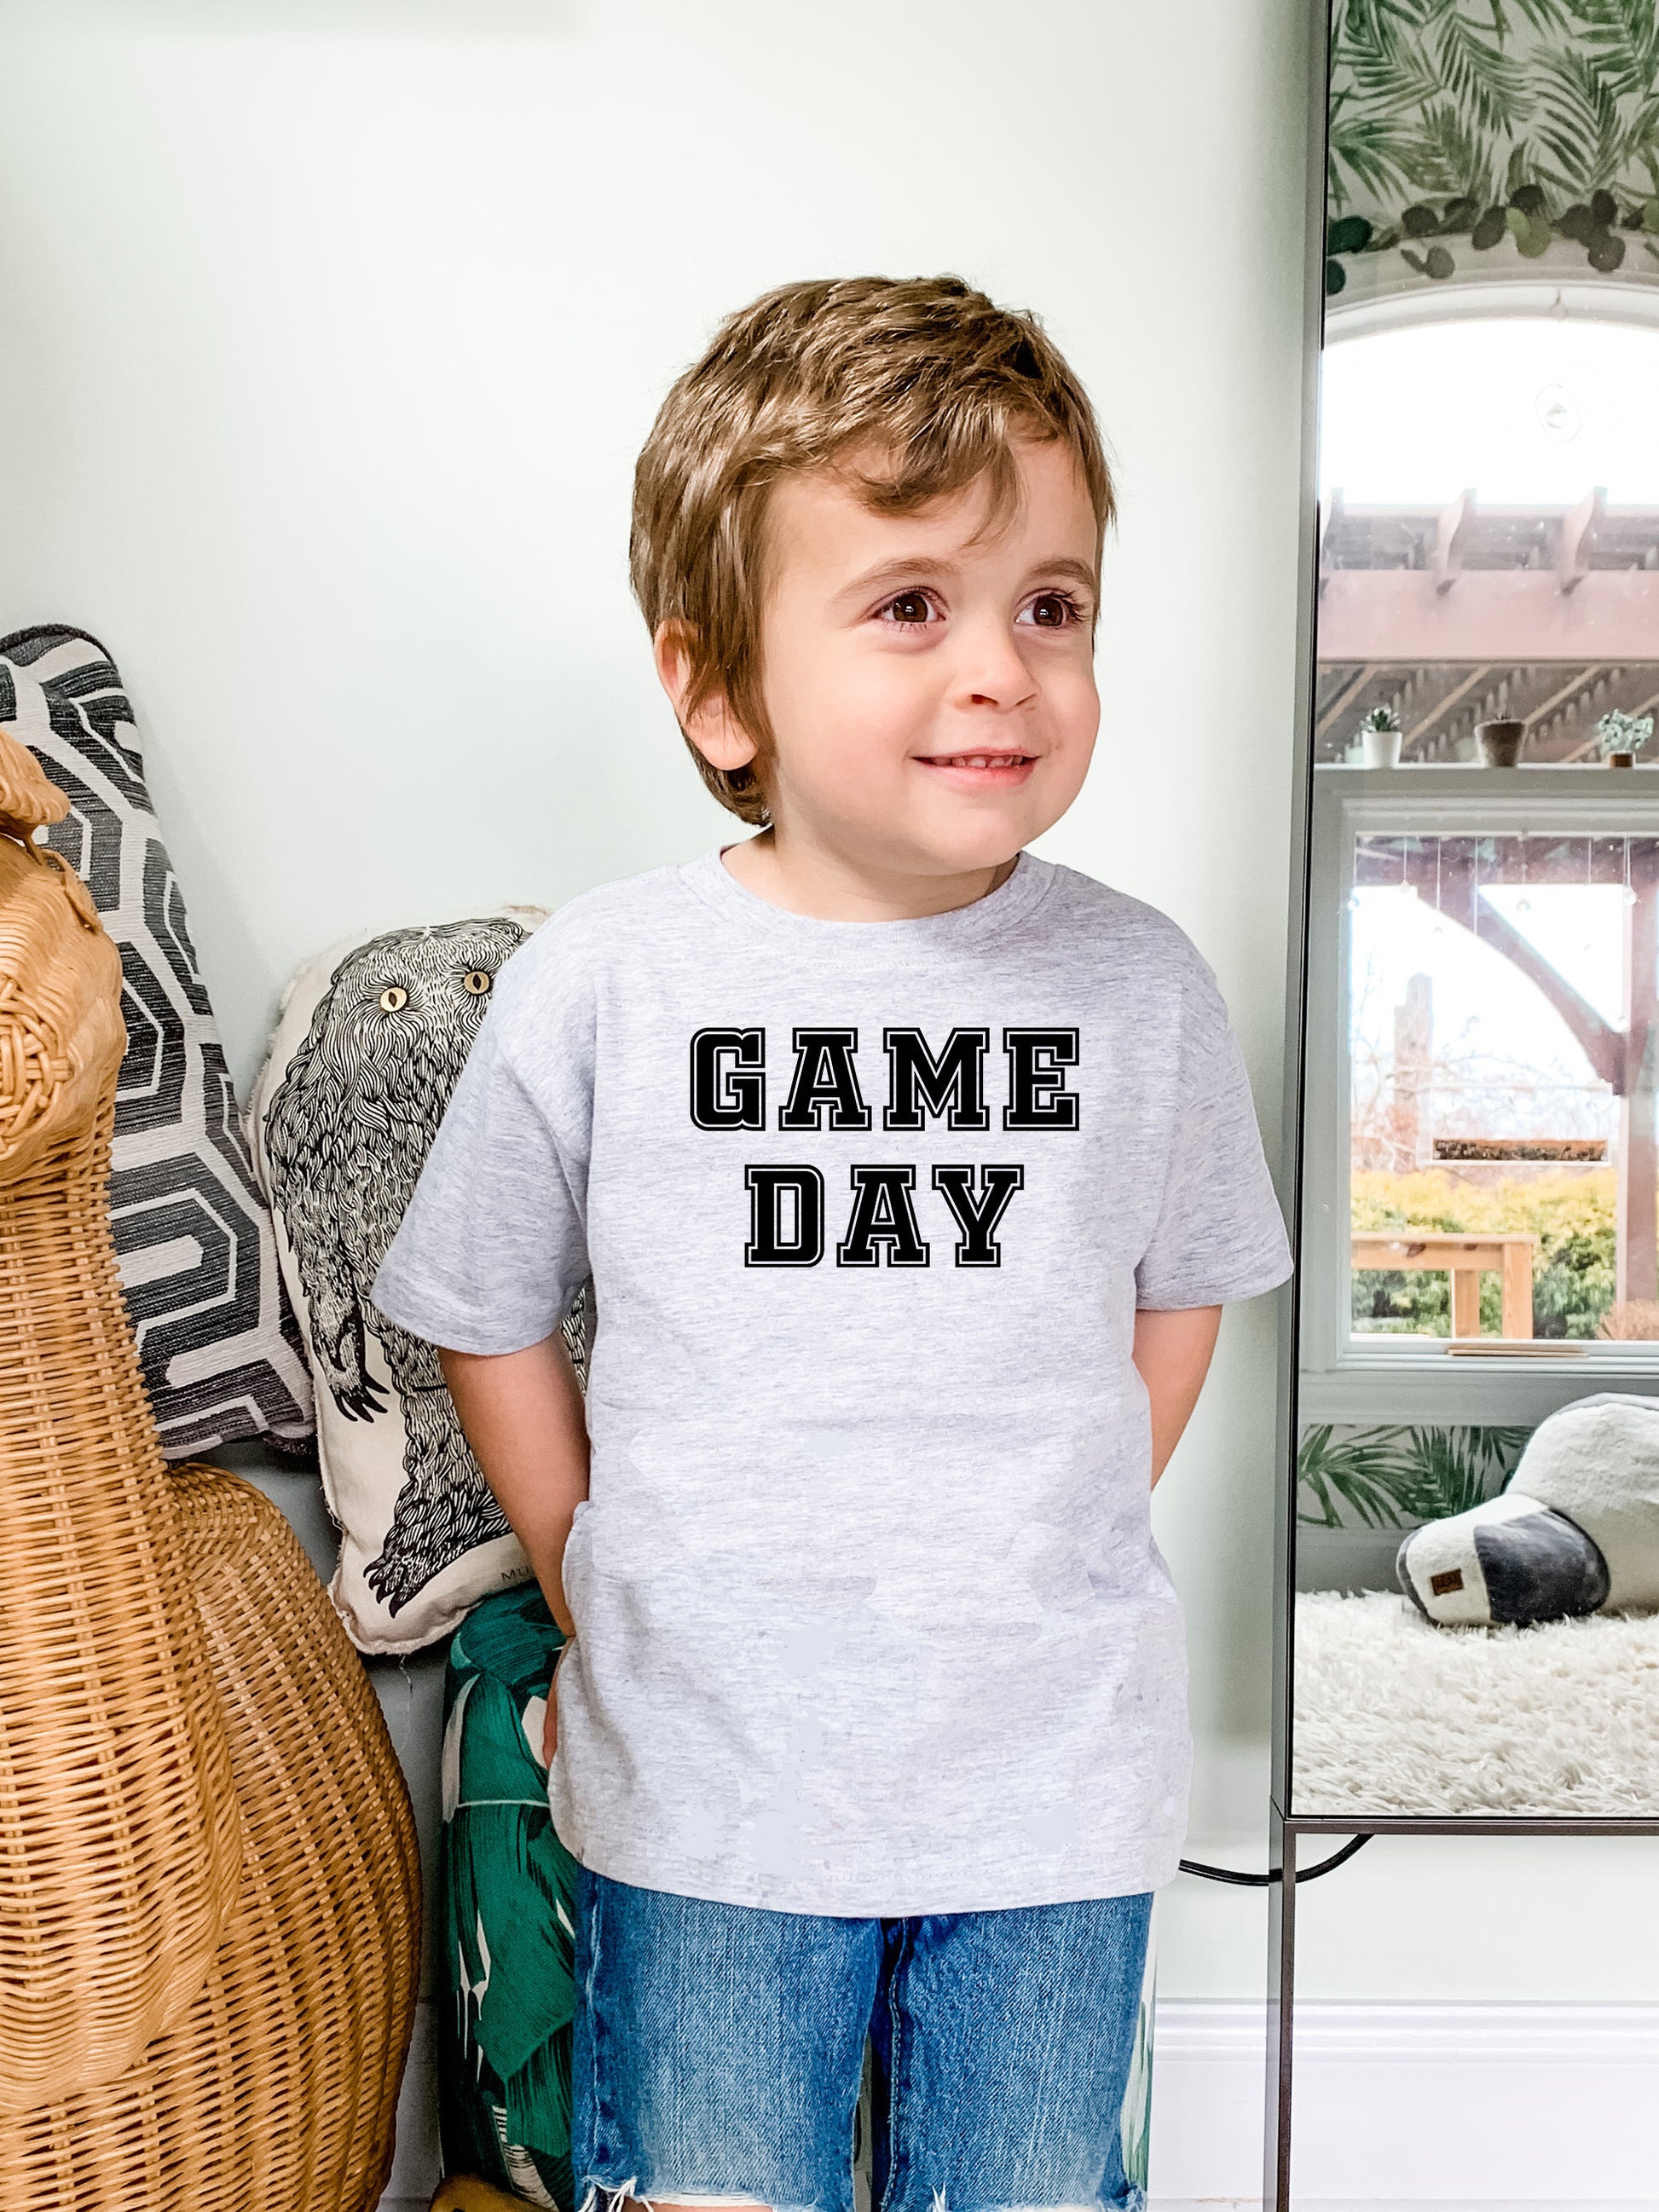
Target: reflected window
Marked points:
1488	537
1484	940
1501	1002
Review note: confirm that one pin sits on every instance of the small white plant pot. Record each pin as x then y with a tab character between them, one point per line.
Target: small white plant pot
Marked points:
1380	747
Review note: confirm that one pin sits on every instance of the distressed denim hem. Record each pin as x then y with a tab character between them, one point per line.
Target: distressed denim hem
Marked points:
618	2194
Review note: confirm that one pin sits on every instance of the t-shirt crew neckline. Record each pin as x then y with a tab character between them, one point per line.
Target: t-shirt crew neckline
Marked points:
1023	891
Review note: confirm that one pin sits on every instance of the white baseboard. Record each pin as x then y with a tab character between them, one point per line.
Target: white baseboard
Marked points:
1506	2107
1494	2105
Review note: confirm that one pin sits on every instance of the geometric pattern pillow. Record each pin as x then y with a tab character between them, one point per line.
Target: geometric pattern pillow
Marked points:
219	1351
507	1910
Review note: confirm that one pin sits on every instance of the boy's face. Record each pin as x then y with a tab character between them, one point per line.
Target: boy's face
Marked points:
929	680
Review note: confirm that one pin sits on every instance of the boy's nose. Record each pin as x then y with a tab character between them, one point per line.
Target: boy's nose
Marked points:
989	670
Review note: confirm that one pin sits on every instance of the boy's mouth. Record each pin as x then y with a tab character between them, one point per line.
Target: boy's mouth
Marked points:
981	769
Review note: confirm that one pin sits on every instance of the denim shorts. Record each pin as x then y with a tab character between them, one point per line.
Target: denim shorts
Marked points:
719	2051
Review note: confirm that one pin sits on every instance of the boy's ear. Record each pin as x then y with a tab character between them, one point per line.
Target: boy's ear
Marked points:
710	724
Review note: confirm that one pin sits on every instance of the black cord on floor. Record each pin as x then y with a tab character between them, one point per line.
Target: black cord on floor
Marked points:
1266	1880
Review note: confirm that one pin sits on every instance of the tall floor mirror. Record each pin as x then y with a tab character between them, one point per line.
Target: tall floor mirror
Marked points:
1470	1537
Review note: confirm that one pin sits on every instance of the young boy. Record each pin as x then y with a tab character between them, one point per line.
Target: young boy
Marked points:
911	1173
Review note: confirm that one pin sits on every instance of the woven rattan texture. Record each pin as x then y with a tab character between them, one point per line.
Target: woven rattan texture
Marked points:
61	1032
215	2027
27	801
277	2093
120	1837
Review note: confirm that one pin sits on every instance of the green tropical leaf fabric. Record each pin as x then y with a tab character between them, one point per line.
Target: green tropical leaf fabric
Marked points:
508	1904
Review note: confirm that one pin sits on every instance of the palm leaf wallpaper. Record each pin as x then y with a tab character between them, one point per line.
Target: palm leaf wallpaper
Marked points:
1475	138
1394	1478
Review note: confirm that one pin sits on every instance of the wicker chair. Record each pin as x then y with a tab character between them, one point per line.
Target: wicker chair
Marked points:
209	1887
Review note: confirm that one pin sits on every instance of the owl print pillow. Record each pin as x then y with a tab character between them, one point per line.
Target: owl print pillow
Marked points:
369	1041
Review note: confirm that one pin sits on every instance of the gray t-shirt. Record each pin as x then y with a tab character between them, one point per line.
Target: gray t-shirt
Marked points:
870	1619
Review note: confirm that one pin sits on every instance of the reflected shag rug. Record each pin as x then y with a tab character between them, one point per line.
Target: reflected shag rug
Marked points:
1395	1716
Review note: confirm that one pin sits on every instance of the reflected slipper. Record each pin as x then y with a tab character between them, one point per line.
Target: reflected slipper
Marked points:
1512	1560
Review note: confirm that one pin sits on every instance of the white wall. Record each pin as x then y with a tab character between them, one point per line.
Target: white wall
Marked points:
332	327
332	332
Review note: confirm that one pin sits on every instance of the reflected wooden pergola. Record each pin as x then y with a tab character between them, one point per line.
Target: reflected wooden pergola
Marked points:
1451	615
1453	874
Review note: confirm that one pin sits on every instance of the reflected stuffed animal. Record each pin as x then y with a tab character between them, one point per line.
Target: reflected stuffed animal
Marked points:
1575	1531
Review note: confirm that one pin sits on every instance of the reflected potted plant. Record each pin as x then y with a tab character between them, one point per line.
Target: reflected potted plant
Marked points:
1620	736
1497	742
1380	738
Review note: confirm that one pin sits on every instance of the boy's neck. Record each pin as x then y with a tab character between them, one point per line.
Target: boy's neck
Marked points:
802	878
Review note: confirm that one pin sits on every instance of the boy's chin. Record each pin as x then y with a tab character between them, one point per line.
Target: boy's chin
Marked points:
966	848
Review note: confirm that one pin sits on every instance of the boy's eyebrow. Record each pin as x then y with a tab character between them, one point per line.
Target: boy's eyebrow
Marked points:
905	568
1080	572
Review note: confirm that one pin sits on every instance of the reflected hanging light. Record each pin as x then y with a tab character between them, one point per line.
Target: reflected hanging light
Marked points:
1558	413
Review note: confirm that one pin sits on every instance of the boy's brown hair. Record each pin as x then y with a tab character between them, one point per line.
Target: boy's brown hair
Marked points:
924	379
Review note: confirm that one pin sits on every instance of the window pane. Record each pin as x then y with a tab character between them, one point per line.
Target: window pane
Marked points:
1501	1095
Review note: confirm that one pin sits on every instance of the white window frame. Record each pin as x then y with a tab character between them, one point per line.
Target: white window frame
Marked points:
1348	1379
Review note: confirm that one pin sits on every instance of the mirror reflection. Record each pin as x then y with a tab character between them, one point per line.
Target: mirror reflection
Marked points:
1477	1617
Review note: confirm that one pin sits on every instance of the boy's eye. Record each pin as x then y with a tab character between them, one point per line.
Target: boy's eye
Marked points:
909	608
1053	611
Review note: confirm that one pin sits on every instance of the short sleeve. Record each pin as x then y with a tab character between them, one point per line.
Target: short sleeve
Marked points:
1220	1236
492	1248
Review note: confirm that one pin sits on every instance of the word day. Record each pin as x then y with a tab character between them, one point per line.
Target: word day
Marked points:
729	1075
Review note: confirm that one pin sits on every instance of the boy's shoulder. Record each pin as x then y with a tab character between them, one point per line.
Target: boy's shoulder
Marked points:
591	920
554	982
1084	915
597	928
